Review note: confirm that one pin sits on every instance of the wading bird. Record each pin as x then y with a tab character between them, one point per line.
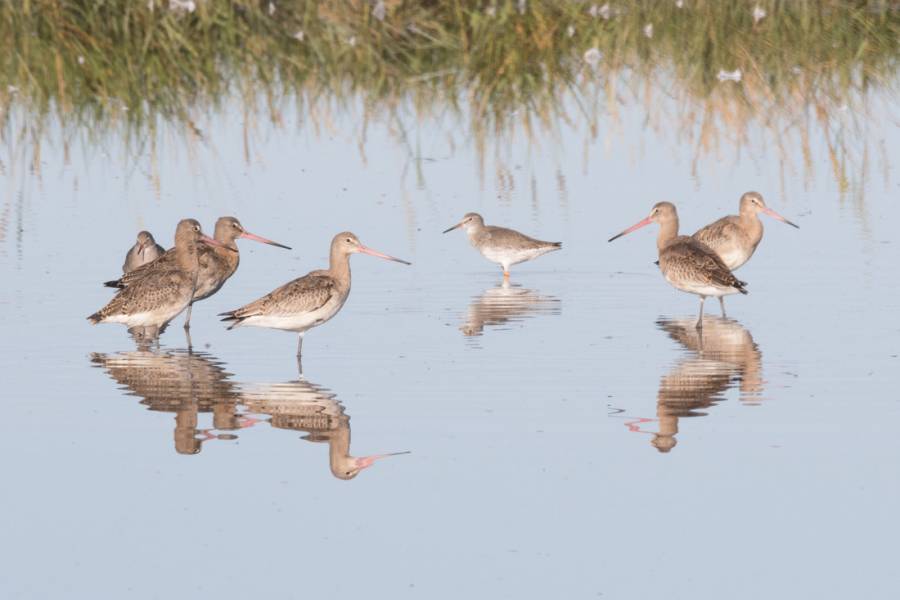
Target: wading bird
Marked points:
735	237
149	304
144	251
217	264
686	263
308	301
506	247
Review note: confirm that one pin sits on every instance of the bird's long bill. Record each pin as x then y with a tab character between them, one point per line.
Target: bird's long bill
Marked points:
257	238
370	252
208	240
457	226
634	227
367	461
775	215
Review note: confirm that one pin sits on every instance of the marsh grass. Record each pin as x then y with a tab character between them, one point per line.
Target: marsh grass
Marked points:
127	68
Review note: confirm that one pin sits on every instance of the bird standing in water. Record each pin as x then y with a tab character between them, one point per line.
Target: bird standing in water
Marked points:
686	263
217	263
308	301
735	237
506	247
149	304
144	251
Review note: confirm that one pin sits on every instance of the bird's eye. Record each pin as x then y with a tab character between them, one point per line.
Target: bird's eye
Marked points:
349	241
196	228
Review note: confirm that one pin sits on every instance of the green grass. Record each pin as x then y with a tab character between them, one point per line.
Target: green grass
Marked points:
101	66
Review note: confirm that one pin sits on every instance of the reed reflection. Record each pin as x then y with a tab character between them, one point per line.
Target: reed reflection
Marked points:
314	410
504	305
720	356
180	382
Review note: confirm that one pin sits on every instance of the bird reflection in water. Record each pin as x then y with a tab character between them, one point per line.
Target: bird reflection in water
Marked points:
720	356
304	406
505	304
180	382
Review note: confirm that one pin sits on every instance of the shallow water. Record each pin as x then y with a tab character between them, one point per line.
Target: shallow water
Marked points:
569	433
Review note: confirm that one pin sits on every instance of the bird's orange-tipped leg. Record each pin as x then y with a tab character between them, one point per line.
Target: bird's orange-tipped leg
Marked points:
505	275
700	318
722	304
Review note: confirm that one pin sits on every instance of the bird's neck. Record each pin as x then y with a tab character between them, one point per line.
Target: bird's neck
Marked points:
187	256
339	266
668	231
751	223
474	232
229	257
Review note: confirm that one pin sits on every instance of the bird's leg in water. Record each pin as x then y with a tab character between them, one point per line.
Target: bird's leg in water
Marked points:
722	304
187	319
700	318
187	335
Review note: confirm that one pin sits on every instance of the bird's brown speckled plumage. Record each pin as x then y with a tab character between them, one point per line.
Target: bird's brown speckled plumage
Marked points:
162	294
686	263
216	264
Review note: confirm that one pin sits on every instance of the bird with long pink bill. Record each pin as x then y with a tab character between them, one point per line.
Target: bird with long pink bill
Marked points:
217	263
308	301
146	306
686	263
735	237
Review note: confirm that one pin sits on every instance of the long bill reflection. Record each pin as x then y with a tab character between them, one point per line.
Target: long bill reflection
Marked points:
307	407
180	382
720	357
188	384
505	304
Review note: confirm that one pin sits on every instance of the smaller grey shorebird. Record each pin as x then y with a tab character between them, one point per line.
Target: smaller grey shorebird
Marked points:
308	301
217	263
687	264
506	247
735	237
149	304
144	251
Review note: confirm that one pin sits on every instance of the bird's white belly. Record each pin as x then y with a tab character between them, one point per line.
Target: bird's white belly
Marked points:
150	318
298	322
703	290
507	256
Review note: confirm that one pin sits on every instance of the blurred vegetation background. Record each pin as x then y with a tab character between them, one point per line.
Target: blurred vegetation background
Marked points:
705	70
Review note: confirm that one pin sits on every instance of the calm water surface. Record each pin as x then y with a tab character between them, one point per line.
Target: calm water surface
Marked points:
570	435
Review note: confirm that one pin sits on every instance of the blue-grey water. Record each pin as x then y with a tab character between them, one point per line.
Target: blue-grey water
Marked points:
569	435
